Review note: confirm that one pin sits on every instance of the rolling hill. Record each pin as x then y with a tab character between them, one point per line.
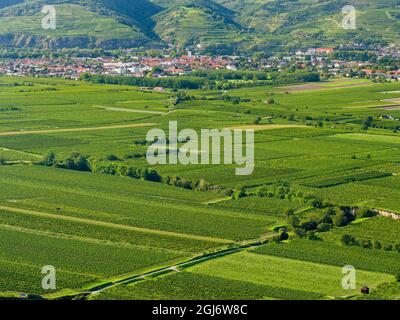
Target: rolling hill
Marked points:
222	26
198	23
80	23
295	24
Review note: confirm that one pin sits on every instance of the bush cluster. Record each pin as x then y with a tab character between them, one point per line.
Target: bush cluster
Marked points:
349	240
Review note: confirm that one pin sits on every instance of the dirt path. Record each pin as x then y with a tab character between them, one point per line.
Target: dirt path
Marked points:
114	225
390	107
389	214
22	152
269	126
118	126
392	100
131	110
218	200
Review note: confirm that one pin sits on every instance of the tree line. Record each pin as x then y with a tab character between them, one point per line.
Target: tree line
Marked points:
166	82
211	79
79	162
276	77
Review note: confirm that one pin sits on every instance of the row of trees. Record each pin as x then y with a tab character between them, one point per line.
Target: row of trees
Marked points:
296	76
119	169
350	240
283	190
199	184
75	161
111	166
80	162
211	79
167	82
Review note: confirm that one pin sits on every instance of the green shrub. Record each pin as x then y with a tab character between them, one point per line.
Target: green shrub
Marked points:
366	244
112	157
377	245
313	236
323	227
283	235
49	159
240	193
299	232
340	219
349	240
75	161
262	191
326	219
388	247
365	213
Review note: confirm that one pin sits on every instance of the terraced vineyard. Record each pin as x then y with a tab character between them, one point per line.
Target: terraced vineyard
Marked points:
314	162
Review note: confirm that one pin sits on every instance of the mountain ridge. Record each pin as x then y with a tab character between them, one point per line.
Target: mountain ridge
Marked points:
215	26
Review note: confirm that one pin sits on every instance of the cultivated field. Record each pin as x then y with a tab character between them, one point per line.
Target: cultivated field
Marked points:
316	152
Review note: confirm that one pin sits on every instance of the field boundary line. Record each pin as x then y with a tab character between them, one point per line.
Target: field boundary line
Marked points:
116	226
118	126
129	110
20	151
262	127
89	240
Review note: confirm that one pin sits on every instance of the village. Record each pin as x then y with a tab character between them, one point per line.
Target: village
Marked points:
379	64
134	66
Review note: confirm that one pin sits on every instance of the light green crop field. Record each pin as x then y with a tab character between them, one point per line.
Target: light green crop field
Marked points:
98	228
286	273
194	286
252	276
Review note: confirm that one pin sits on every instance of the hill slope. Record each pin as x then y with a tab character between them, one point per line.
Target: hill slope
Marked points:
222	26
80	23
318	22
198	23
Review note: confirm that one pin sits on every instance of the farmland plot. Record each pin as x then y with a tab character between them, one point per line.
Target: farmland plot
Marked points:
103	198
78	262
286	273
95	228
335	254
249	275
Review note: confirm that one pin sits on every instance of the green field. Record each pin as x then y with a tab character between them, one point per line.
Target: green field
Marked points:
249	276
99	228
334	254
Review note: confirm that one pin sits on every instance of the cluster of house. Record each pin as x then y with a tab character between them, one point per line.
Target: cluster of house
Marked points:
317	59
72	68
322	60
46	67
